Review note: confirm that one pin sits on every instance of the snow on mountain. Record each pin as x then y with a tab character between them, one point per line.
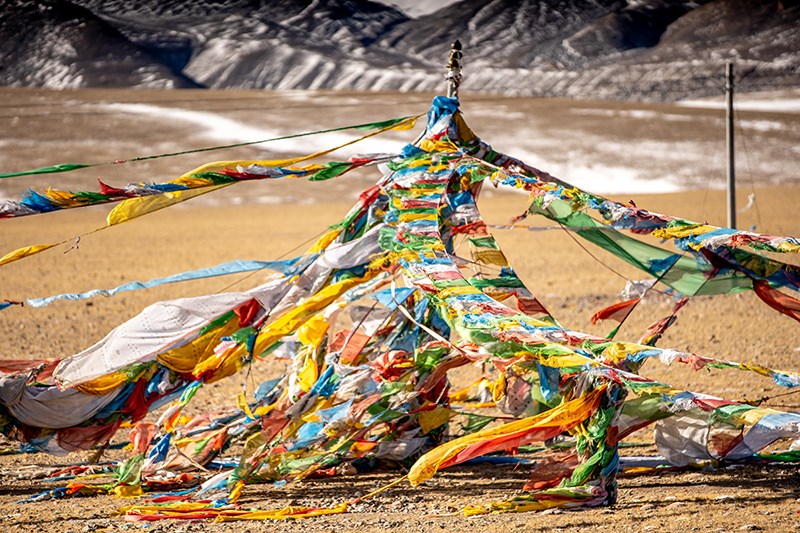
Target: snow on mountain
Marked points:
640	49
60	45
417	8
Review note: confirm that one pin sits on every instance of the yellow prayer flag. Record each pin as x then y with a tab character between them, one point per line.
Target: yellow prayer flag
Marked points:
410	217
324	241
565	416
64	198
25	252
308	374
789	247
103	384
241	403
127	491
491	257
680	232
143	205
406	124
458	290
438	146
434	418
312	332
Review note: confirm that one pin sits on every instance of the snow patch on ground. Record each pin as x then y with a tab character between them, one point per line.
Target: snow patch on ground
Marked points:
783	105
643	114
269	200
602	179
223	129
762	125
594	163
598	178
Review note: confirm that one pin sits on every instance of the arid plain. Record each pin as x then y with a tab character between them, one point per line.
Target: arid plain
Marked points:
666	158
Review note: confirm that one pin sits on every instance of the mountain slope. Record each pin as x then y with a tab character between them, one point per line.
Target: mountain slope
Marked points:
61	45
641	49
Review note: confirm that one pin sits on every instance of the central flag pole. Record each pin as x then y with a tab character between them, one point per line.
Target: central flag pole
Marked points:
454	69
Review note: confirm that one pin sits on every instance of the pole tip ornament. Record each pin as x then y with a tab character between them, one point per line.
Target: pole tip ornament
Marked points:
454	69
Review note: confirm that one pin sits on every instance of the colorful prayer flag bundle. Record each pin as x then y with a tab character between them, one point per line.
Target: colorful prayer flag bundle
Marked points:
373	317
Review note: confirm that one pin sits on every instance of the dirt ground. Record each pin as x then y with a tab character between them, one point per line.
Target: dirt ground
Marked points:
572	283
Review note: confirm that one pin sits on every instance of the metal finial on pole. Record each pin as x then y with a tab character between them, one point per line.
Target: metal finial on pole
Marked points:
454	69
729	139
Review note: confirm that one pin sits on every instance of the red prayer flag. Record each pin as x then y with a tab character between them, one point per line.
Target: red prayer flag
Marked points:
657	329
777	300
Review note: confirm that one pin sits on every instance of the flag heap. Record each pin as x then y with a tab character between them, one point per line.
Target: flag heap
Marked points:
374	316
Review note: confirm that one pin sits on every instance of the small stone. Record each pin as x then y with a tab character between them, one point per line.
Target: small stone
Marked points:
750	527
647	507
674	505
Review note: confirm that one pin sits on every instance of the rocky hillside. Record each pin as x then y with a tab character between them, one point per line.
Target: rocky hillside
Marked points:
630	49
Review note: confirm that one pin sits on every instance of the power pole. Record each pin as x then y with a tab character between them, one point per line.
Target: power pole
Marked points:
729	139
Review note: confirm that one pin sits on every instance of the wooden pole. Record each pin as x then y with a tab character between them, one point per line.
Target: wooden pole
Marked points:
454	69
730	144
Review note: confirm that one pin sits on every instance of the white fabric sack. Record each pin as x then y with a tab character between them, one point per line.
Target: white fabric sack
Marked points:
683	440
157	328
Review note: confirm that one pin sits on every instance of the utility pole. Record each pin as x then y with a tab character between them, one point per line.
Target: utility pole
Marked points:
454	69
729	139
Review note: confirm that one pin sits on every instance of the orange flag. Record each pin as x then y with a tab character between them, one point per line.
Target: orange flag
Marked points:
619	311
